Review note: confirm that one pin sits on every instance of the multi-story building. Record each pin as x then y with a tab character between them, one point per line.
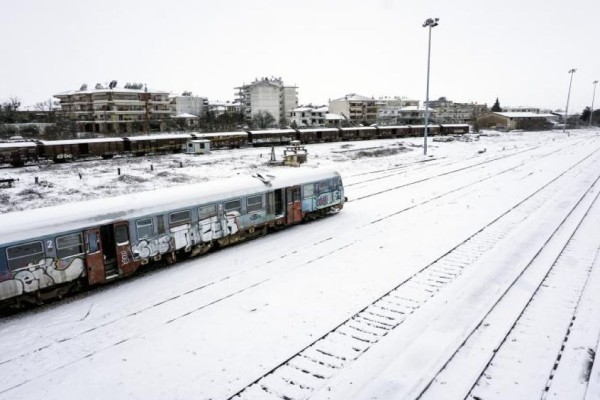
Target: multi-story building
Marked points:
224	107
116	110
308	116
188	104
449	112
399	111
355	108
267	95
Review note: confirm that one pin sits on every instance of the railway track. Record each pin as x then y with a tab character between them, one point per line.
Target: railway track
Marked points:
524	354
422	285
307	371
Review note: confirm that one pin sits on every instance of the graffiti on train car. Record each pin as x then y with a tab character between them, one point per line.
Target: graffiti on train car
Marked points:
327	199
47	272
206	230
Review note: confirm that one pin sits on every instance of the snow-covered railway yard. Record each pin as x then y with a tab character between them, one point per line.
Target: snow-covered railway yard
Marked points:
469	274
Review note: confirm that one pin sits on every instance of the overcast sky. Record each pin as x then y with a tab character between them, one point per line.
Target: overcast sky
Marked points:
517	50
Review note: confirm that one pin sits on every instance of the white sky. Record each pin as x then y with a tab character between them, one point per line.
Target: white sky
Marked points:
519	51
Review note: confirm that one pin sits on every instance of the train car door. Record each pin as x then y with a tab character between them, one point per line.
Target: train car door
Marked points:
294	205
125	262
94	256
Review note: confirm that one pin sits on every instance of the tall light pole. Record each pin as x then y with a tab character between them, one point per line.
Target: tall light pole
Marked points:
592	109
431	23
571	71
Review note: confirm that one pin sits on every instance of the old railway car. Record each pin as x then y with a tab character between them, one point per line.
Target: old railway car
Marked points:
224	140
272	137
18	153
46	252
156	144
318	135
66	150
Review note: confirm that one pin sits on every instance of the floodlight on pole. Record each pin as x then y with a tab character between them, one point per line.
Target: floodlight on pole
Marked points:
592	109
429	23
571	71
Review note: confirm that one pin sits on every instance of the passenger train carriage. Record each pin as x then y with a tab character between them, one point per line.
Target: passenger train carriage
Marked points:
45	252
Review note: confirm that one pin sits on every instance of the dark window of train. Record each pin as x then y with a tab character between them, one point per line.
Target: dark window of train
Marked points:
309	190
205	212
145	228
325	186
254	203
21	255
296	193
160	224
121	235
179	217
234	205
69	245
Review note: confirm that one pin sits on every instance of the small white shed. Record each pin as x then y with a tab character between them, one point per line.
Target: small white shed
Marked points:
198	146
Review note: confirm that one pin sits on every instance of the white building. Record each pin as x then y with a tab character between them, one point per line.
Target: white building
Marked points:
188	104
268	95
355	108
308	116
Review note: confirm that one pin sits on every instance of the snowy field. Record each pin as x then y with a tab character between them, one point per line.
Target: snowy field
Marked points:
471	273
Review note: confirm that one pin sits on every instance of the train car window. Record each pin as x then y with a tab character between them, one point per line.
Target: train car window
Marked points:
121	235
93	245
160	224
145	228
234	205
309	190
325	186
179	217
254	203
296	193
69	245
207	211
23	254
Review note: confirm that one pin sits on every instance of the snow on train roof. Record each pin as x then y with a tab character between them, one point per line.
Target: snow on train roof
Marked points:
366	128
157	137
29	224
220	134
272	131
16	144
78	141
319	130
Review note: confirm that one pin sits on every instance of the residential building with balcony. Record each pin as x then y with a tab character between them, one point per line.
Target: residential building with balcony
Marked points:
449	112
267	95
309	116
398	111
355	108
116	110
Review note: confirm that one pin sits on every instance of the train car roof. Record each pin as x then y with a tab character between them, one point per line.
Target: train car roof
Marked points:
160	136
220	134
16	144
318	130
272	131
79	141
36	223
359	127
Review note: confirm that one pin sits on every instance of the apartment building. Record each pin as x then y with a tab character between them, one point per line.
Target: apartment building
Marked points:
267	95
188	104
399	111
449	112
309	116
115	110
355	108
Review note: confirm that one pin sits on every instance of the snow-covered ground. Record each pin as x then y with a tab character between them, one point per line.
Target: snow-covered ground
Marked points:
471	273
